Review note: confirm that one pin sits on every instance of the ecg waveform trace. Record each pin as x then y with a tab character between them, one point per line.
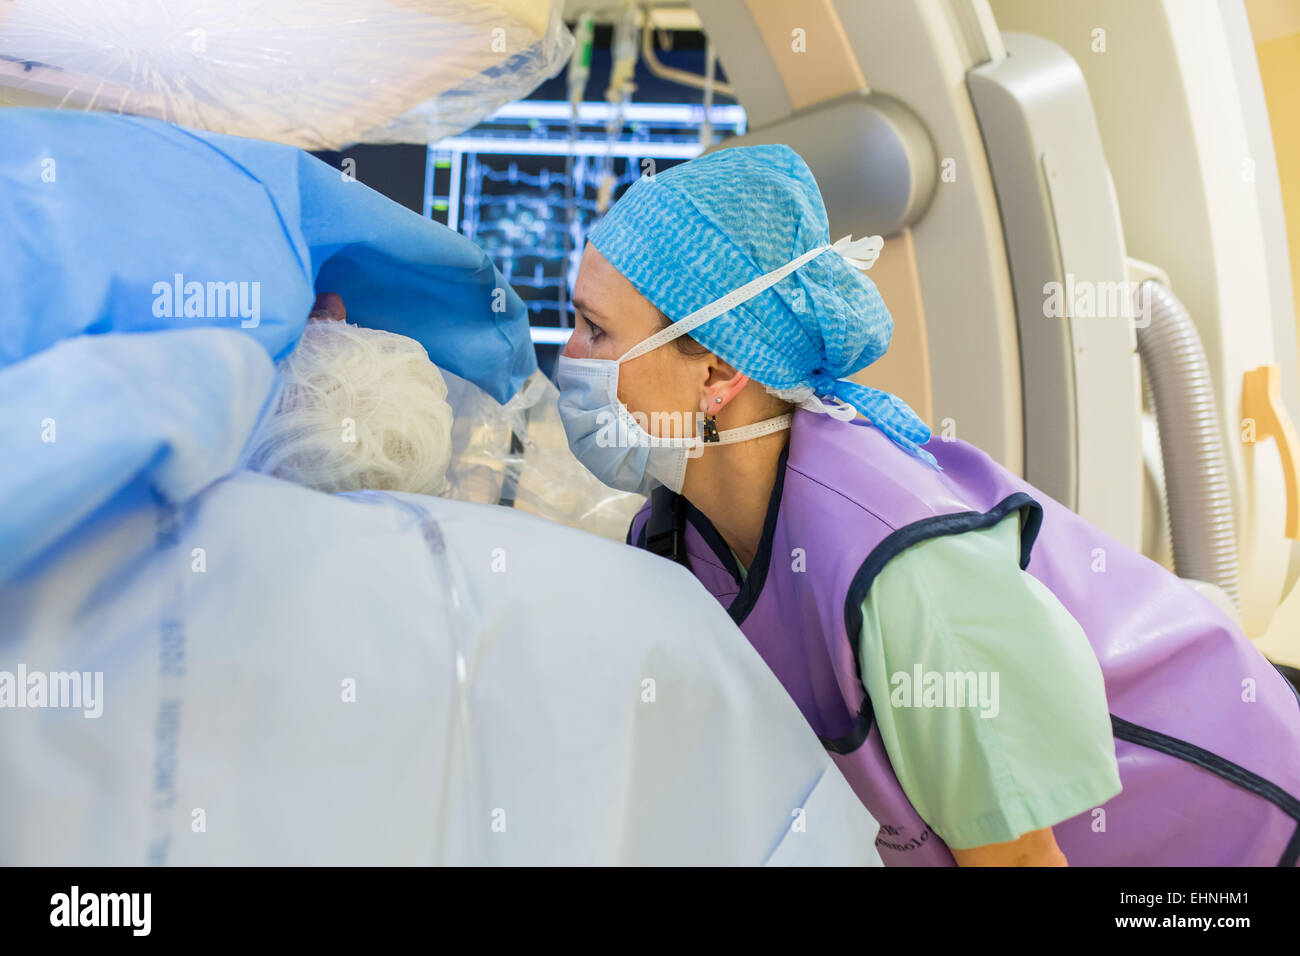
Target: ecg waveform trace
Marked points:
527	185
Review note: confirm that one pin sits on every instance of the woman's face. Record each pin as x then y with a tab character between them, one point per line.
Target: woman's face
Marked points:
610	317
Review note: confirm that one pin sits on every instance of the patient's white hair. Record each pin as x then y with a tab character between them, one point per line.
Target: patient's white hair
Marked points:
357	408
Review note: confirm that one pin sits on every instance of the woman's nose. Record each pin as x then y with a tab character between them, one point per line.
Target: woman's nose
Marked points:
572	348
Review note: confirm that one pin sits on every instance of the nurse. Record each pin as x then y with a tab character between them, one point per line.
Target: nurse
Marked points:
992	697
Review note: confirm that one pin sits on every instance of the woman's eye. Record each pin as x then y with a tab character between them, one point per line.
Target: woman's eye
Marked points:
595	330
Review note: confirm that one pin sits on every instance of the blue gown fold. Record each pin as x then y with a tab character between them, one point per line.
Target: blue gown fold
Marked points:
103	217
150	275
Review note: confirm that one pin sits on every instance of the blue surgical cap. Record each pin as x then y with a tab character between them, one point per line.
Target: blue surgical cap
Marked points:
695	232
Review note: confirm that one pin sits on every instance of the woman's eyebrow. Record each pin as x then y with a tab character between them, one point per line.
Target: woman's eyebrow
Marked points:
587	309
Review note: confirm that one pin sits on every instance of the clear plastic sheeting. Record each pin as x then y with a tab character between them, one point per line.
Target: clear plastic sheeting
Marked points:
318	74
517	455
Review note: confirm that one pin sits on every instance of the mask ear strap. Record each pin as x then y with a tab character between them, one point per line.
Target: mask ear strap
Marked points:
718	306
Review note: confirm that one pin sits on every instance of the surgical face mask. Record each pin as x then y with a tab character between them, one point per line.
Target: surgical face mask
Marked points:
609	440
614	446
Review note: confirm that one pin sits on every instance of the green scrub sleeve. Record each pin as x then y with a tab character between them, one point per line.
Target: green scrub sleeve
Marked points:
989	699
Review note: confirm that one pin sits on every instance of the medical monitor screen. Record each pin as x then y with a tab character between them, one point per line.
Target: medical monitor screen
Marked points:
528	184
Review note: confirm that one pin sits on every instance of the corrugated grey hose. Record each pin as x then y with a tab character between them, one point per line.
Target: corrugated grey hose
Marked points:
1201	523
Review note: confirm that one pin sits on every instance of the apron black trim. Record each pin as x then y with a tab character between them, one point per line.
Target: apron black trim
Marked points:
1290	675
891	547
856	737
1219	766
1292	852
1208	760
671	540
714	540
756	577
1291	855
934	527
664	532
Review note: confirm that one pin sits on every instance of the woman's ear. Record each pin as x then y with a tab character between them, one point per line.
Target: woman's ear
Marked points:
723	384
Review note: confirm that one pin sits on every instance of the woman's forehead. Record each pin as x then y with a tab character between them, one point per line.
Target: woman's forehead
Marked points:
602	289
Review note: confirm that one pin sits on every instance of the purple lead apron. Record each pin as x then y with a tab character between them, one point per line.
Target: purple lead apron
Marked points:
1206	730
